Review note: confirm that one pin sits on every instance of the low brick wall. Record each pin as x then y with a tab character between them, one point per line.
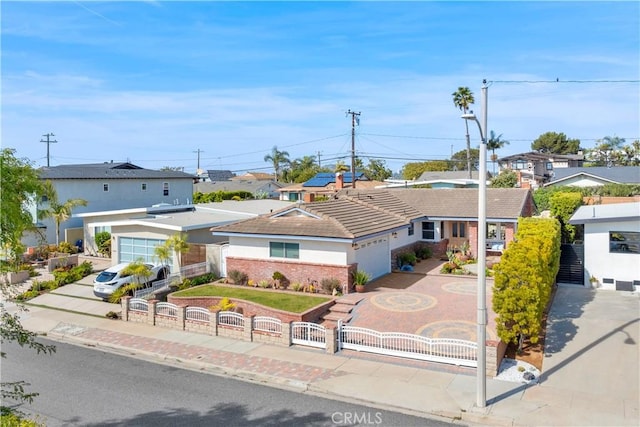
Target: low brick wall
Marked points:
495	353
138	316
231	331
249	308
438	249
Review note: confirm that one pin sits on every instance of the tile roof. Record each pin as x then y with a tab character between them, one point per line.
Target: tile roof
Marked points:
108	171
359	213
507	203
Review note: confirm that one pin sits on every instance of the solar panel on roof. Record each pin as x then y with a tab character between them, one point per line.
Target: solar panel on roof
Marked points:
322	179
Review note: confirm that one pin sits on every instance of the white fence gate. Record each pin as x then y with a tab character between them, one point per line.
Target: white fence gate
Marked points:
309	334
443	350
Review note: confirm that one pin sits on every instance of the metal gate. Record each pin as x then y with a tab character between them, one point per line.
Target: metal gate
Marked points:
571	264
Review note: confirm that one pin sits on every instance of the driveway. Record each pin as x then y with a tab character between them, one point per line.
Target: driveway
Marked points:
425	303
592	345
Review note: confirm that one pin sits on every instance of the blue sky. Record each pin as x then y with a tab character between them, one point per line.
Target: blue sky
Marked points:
152	82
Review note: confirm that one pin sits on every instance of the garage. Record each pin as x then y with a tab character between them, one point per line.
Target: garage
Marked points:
135	248
373	257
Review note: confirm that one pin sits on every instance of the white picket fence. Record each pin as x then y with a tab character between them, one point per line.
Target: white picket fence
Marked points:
200	314
443	350
267	324
138	304
231	318
187	271
309	334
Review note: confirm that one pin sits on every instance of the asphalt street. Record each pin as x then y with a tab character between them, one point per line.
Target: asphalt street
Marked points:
87	387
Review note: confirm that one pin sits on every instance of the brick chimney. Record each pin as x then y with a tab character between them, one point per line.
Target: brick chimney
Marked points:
339	181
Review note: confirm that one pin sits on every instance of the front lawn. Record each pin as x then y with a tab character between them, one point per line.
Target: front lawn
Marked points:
279	300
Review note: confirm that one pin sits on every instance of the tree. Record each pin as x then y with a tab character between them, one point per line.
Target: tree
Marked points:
60	212
301	170
179	245
278	159
507	179
555	143
563	206
413	170
376	170
609	151
140	272
459	160
462	99
163	252
19	185
495	143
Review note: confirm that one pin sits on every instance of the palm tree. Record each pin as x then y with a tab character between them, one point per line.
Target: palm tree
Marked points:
178	243
163	252
462	99
277	158
60	212
495	143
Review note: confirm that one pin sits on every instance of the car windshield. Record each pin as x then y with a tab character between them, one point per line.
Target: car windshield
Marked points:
105	276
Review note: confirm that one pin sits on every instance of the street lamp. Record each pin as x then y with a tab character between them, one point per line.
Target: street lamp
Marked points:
481	372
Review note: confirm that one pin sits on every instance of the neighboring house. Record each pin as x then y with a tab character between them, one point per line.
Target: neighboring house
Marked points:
254	176
325	184
367	230
441	179
259	189
595	176
215	175
111	186
611	245
136	232
535	169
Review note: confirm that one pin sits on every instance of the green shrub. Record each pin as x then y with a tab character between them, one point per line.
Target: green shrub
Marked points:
264	284
67	248
329	285
204	279
297	287
238	277
424	252
408	258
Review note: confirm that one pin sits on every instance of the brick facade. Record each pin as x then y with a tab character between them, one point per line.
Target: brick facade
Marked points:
438	249
295	272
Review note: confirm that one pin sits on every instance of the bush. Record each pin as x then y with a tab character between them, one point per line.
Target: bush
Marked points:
408	258
297	287
66	248
424	252
103	243
204	279
264	284
329	285
225	304
112	315
238	277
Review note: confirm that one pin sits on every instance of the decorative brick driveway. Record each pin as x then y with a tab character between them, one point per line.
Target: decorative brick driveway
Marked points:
424	303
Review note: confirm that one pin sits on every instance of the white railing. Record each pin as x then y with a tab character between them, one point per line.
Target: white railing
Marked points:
138	304
444	350
200	314
267	324
167	309
187	271
230	318
310	334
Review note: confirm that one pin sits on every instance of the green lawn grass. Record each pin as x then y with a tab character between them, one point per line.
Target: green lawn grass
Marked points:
279	300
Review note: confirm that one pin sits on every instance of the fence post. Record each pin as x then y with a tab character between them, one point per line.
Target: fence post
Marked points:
286	334
248	327
339	338
331	340
151	313
214	322
182	317
124	303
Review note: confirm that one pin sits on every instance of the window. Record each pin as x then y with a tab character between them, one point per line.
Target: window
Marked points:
519	165
411	229
165	188
496	231
458	229
627	242
549	166
284	250
105	187
429	230
143	186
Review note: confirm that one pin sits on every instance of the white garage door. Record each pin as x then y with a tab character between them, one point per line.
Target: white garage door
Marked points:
373	257
133	249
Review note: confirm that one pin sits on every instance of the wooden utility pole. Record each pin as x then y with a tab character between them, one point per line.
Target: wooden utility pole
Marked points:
355	118
48	142
198	151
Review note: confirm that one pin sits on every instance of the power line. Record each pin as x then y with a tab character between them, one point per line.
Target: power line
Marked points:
564	81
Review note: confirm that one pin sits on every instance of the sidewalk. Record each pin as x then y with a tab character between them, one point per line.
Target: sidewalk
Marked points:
422	389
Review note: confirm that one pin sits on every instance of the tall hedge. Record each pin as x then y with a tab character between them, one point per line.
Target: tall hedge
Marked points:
563	206
524	279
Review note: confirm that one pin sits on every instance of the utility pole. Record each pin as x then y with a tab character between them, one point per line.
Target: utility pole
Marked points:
198	151
319	161
48	142
355	118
